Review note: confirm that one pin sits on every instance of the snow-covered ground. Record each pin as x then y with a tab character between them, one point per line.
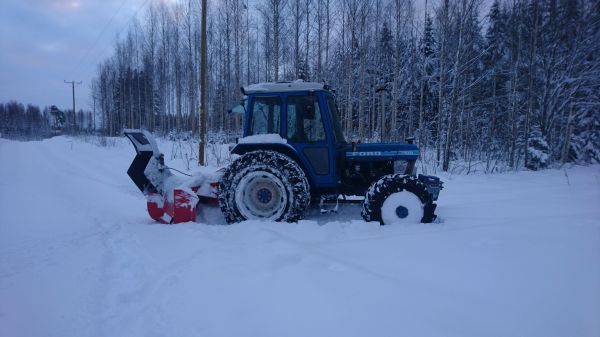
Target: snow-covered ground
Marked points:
516	254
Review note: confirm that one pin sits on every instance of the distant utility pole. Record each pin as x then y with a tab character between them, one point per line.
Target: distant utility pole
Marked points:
94	114
72	83
202	147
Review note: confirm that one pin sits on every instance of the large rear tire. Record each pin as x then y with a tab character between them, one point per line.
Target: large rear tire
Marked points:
264	185
398	199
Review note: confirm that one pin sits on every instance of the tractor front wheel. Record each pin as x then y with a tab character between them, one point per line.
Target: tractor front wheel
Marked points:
398	199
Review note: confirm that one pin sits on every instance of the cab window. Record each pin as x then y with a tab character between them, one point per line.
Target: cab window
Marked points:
304	122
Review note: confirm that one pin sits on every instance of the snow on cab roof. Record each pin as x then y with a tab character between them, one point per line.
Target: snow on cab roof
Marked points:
297	85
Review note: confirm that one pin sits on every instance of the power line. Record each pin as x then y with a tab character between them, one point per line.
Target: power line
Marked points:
101	34
99	55
127	25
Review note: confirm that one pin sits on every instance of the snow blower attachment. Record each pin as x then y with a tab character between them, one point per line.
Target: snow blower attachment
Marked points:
170	199
293	154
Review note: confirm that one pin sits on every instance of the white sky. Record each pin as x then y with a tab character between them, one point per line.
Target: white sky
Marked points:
45	42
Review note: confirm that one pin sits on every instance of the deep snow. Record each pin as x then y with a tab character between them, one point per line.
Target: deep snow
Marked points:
516	254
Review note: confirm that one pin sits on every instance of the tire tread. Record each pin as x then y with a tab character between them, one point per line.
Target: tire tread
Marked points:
378	192
274	162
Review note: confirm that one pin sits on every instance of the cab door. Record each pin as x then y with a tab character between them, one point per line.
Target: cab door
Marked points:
306	133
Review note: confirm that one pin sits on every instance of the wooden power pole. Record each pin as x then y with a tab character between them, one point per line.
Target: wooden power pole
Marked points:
202	119
72	83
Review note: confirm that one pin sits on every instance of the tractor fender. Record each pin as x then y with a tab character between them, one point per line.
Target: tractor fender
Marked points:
285	149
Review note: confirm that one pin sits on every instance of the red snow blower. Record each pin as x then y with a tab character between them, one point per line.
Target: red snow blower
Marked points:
170	199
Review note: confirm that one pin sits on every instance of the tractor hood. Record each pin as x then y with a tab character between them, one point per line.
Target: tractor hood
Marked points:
382	151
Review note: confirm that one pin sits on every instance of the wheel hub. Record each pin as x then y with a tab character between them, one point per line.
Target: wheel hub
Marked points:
264	195
401	212
261	196
401	208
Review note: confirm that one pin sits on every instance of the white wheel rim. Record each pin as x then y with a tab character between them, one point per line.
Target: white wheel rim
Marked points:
261	195
402	208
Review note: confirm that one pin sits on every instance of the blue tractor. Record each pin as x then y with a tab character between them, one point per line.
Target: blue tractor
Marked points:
294	154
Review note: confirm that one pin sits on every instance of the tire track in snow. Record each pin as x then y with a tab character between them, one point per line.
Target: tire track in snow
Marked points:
428	288
32	253
312	249
88	170
131	292
28	165
69	172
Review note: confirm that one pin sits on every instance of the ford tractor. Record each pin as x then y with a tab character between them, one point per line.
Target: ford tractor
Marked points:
293	154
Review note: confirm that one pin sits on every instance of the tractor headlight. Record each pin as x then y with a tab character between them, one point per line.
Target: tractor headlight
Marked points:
400	166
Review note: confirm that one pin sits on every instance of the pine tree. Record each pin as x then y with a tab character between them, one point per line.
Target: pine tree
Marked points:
538	150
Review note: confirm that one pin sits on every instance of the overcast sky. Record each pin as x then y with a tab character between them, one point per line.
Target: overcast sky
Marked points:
45	42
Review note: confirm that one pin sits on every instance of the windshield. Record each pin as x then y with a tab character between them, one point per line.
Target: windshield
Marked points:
264	115
335	119
304	123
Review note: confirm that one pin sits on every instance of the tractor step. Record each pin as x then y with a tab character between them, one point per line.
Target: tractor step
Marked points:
328	204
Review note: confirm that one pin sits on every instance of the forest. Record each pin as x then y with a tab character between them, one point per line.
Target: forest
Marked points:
30	122
507	84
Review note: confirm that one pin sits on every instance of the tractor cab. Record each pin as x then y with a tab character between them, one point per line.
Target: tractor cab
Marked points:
300	114
301	120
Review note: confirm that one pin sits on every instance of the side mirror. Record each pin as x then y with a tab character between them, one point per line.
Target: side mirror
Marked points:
238	109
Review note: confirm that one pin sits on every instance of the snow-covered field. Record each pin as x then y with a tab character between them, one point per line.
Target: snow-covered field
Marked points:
516	254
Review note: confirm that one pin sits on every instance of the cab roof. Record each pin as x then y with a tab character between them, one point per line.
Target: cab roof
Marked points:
297	85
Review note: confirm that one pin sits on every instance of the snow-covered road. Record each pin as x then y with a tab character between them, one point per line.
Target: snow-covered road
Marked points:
517	254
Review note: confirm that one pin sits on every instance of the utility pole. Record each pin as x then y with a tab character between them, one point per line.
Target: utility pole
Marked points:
72	83
94	114
202	145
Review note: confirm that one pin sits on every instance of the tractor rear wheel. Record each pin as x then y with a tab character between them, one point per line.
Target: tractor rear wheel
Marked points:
264	185
398	199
